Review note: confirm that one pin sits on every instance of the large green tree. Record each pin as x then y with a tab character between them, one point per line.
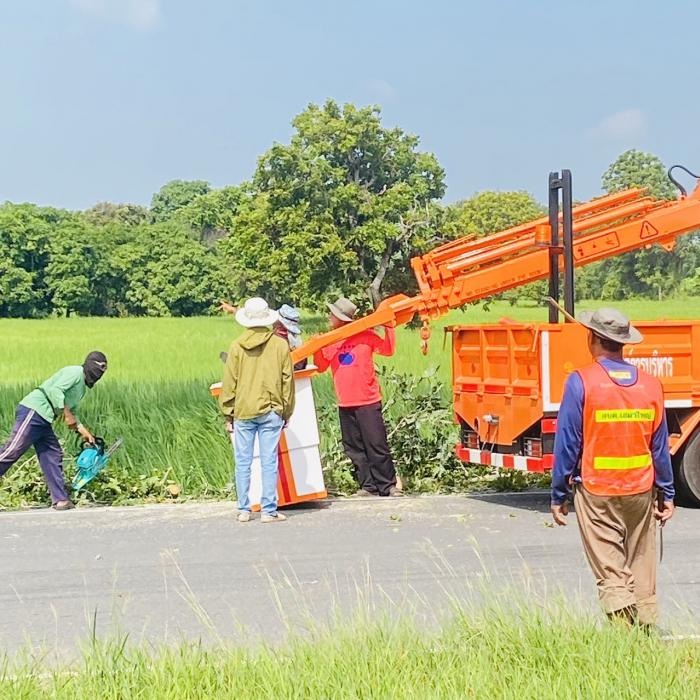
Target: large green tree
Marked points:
25	233
106	213
175	195
347	201
639	169
212	215
70	275
163	271
490	212
647	273
60	262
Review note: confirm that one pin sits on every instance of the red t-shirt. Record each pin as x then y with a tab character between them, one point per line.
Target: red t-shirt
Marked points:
352	366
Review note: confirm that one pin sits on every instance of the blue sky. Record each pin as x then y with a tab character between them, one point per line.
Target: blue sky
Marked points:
109	99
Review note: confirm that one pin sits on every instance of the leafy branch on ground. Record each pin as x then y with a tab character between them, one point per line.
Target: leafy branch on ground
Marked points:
422	437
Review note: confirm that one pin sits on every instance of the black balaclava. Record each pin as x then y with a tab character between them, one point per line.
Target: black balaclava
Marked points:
94	367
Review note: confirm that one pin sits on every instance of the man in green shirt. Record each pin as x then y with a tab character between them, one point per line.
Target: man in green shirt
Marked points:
57	396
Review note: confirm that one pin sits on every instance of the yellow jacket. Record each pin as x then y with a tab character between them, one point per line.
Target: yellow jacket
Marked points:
258	377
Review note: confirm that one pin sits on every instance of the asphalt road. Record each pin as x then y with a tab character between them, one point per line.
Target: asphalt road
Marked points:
164	573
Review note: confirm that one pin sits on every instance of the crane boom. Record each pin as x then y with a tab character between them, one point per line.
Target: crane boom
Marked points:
470	269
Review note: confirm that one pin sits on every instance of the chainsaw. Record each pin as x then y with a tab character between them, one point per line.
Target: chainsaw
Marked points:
92	460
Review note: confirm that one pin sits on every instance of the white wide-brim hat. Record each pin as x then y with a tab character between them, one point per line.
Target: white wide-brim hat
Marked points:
256	313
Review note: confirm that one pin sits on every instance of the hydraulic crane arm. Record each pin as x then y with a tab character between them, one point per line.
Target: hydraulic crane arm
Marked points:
470	269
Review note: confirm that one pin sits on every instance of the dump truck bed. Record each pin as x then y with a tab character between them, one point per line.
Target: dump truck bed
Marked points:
508	380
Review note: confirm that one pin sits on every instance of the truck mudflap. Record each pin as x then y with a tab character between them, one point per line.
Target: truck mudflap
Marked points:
504	461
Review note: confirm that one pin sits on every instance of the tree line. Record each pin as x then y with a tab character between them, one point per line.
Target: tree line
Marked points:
341	208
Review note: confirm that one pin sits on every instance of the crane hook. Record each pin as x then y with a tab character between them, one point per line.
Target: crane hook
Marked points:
425	332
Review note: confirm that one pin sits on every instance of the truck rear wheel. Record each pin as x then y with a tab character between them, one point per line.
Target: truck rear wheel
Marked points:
686	467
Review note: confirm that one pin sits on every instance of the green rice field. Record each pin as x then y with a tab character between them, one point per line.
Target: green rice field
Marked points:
156	394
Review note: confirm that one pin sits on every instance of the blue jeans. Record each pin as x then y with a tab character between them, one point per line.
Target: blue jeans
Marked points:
268	428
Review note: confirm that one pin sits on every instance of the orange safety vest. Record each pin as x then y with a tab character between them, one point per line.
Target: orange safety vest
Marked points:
618	425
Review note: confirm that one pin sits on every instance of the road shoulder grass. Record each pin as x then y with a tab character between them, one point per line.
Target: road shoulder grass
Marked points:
500	652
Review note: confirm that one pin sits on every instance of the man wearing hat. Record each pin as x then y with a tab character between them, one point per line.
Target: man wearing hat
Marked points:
360	401
611	447
257	398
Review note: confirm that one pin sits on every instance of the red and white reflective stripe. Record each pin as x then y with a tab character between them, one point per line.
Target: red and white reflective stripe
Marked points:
498	460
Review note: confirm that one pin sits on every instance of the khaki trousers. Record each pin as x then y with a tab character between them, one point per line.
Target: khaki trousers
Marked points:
619	539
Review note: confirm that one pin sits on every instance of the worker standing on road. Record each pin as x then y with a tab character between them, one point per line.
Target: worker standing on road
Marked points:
611	445
257	398
360	402
57	396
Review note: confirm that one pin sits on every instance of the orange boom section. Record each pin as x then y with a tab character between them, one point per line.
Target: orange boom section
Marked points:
472	268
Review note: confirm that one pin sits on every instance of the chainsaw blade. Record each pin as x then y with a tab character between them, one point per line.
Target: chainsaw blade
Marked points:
113	448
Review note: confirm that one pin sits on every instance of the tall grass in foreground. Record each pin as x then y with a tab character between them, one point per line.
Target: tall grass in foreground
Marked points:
497	653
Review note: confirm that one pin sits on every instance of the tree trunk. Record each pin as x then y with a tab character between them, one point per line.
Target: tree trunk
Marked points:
375	286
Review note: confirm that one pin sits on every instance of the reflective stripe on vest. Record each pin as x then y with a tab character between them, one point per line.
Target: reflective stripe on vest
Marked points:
629	415
618	426
636	462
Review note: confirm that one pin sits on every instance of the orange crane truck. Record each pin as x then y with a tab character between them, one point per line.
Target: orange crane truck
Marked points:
508	377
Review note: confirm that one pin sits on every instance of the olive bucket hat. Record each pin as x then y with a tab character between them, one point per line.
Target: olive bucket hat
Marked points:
611	324
343	309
